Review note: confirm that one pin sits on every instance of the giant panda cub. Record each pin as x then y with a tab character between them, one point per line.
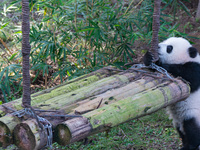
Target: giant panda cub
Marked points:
180	59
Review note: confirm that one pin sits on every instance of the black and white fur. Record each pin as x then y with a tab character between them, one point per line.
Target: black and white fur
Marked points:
180	59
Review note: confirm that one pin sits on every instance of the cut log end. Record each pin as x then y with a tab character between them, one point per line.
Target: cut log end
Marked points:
72	130
5	135
7	124
24	137
28	135
62	135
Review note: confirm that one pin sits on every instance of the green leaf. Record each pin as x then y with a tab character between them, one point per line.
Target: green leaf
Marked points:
87	29
46	19
3	26
13	56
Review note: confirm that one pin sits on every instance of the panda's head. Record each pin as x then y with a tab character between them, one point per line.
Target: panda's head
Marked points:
177	50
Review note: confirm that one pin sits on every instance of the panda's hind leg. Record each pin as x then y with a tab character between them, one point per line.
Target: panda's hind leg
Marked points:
192	134
182	136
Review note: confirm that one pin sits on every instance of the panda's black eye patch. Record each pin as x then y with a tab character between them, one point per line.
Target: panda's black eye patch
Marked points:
169	48
192	52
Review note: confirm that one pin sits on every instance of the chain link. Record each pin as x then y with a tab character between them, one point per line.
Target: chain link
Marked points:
19	113
139	66
46	124
48	129
153	66
161	70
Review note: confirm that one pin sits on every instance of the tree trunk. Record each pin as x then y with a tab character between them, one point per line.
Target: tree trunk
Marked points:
26	48
198	11
155	28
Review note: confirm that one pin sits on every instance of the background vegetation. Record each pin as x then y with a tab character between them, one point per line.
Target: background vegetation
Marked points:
74	37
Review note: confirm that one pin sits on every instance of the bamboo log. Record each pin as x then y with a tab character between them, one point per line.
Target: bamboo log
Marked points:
124	110
79	128
110	90
28	136
99	87
7	124
114	95
109	97
86	91
64	88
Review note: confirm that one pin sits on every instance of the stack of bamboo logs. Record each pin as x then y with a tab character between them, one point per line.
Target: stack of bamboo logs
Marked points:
100	100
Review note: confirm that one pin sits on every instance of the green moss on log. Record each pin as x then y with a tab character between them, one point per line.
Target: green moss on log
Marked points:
7	124
64	88
136	106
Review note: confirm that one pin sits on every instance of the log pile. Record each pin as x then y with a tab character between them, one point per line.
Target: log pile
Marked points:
89	104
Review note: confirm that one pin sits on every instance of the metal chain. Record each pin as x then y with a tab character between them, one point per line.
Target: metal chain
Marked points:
48	129
46	124
139	66
161	70
19	113
153	66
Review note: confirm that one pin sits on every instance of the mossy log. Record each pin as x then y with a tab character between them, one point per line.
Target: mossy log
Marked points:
74	104
29	136
109	100
121	111
99	87
68	101
7	124
113	95
64	88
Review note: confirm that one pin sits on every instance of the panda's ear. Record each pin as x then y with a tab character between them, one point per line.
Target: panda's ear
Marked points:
193	52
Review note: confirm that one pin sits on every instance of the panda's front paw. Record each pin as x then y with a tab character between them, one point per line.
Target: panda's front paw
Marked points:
148	58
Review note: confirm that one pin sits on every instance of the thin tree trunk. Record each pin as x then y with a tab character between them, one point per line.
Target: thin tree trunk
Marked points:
198	12
26	98
155	28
